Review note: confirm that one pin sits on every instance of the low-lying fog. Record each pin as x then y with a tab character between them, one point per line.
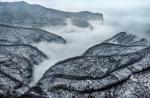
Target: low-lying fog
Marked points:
132	20
79	40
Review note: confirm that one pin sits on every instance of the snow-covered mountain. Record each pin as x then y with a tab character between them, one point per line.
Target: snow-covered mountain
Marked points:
35	63
27	15
21	35
113	75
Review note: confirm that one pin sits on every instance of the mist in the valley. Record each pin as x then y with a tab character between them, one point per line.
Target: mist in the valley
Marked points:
130	16
80	39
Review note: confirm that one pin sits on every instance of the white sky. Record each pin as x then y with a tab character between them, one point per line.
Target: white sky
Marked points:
91	5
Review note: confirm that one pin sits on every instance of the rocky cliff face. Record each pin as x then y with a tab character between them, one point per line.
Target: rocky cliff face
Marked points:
23	14
99	75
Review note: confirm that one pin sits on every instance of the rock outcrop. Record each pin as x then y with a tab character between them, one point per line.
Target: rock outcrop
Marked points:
114	75
26	15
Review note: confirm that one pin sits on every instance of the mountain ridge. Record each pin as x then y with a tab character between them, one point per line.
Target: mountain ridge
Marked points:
33	15
27	35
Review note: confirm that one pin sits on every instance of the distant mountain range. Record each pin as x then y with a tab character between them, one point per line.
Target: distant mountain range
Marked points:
27	15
